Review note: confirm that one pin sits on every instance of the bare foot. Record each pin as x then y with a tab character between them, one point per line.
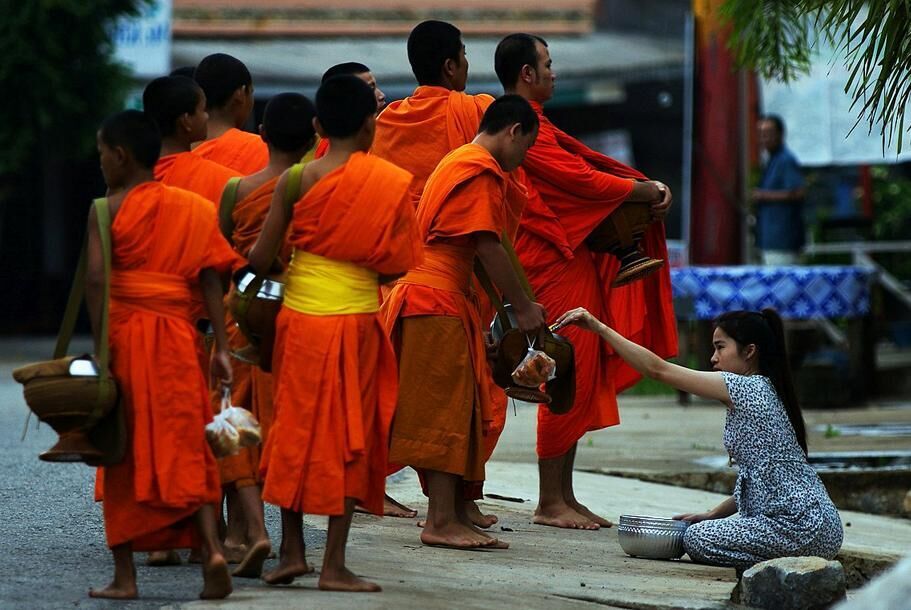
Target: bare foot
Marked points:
285	574
454	535
158	559
477	517
490	541
583	510
345	580
561	515
216	579
115	591
235	553
252	564
392	508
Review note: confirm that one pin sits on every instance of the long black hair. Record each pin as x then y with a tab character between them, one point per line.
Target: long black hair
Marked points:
765	330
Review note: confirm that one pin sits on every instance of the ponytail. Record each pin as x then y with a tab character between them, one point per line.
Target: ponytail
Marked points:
765	330
779	371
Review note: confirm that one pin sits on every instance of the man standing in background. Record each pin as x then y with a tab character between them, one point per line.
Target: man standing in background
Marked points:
779	198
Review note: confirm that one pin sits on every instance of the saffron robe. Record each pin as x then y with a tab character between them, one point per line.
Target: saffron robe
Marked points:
335	375
236	149
571	190
444	405
252	387
409	132
162	238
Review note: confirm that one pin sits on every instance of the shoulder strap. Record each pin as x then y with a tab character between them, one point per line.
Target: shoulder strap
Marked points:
293	186
226	208
102	212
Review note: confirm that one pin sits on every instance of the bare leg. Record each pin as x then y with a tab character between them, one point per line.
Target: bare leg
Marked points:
335	575
443	526
235	527
159	559
570	496
124	584
552	507
292	554
249	501
216	578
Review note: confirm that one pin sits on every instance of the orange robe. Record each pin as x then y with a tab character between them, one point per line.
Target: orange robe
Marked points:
239	150
162	238
444	406
191	172
409	131
322	147
252	387
335	374
571	190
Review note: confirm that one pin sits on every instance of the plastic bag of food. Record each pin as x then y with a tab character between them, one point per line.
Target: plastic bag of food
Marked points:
222	436
536	368
248	429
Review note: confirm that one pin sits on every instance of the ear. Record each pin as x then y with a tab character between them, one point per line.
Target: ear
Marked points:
319	128
527	74
261	131
121	155
449	67
515	131
240	95
749	352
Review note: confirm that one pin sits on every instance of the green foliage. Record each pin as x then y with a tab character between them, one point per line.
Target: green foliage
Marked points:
60	79
892	204
775	38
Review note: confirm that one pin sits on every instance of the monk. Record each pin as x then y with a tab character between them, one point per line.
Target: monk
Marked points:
164	240
229	101
362	72
178	107
287	129
572	189
444	405
409	135
335	373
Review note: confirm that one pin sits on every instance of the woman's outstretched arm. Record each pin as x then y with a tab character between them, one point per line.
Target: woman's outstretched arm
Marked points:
706	384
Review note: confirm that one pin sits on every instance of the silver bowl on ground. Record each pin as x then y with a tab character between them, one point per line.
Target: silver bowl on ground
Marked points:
651	537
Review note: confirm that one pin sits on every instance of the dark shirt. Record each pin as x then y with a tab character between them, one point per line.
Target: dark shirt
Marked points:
779	224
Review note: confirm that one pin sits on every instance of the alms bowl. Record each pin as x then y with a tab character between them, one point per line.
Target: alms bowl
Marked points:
651	537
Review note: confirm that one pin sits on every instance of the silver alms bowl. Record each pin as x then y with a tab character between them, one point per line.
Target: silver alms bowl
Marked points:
651	537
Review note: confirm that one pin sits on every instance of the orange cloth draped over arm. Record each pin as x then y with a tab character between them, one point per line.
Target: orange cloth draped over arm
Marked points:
252	387
335	375
409	131
464	196
572	189
162	238
239	150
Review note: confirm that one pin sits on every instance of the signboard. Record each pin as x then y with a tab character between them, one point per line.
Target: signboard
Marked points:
143	43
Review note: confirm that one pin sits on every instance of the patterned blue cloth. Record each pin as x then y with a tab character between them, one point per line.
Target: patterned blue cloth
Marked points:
797	293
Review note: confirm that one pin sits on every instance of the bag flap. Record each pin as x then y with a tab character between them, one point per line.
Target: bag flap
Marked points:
47	368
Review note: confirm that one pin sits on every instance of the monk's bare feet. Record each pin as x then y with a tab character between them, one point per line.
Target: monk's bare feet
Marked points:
477	517
158	559
285	574
583	510
345	580
216	578
489	541
454	535
562	515
235	553
252	564
392	508
116	590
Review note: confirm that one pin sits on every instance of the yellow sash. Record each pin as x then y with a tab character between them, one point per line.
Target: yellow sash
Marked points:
321	286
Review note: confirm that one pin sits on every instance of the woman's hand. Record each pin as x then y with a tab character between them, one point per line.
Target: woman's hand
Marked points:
220	369
579	317
695	517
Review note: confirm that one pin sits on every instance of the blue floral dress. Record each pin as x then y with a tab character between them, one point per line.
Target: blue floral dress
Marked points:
784	509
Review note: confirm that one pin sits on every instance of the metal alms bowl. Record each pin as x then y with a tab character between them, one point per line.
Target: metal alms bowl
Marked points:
651	537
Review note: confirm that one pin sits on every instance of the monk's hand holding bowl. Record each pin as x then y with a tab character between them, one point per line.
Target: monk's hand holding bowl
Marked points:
661	207
579	317
530	319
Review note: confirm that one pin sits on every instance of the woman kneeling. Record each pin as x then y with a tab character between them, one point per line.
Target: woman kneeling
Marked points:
784	509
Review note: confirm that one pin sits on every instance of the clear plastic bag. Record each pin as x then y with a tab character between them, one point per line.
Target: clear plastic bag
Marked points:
246	425
535	369
222	436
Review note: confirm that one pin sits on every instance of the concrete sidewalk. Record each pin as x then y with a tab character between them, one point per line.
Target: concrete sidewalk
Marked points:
544	567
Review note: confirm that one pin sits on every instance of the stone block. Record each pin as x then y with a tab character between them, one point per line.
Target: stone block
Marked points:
793	583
